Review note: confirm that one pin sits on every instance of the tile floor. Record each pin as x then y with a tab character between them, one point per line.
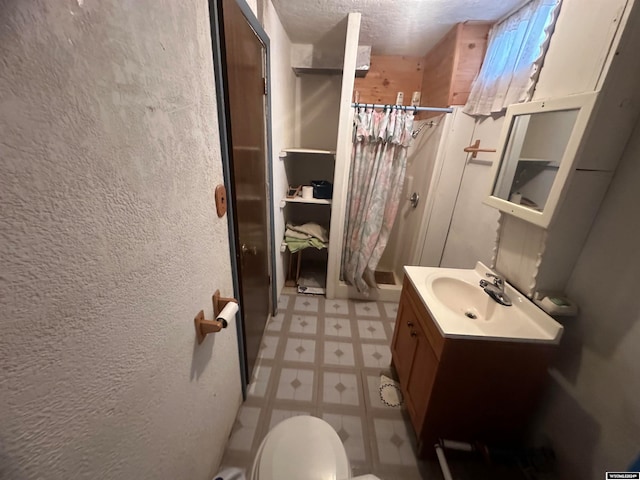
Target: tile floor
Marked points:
324	358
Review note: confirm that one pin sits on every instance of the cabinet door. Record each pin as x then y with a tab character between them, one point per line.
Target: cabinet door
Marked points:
421	377
404	344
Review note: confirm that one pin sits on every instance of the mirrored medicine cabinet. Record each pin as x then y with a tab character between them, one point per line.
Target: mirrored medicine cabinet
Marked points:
538	148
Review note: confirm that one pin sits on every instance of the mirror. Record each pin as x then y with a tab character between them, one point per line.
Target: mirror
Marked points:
539	145
532	158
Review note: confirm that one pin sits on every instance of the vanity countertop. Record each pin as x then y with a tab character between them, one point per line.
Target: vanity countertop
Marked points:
460	307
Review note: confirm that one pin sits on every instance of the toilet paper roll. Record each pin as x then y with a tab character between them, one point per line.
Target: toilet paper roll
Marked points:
307	192
228	313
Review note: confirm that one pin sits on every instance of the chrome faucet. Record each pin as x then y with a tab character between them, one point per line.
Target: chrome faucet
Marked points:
496	289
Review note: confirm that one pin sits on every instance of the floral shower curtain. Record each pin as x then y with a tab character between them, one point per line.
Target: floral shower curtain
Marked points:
378	165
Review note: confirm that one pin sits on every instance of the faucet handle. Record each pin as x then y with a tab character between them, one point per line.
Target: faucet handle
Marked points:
498	280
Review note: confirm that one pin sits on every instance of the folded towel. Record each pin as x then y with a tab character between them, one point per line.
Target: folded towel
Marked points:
312	229
295	244
293	234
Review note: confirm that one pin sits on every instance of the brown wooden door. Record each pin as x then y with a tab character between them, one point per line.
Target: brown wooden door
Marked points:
245	85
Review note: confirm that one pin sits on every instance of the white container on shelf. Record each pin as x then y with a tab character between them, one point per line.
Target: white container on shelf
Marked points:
307	192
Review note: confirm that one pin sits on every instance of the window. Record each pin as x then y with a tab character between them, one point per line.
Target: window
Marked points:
517	46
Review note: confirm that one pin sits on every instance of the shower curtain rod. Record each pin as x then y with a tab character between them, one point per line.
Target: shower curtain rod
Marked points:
406	108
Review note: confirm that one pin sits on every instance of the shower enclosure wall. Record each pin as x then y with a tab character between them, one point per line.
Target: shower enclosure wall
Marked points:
402	248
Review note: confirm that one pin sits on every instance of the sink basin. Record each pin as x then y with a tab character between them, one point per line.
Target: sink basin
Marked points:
462	297
460	308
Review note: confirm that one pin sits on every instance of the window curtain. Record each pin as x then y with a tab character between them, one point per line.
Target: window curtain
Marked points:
378	165
515	54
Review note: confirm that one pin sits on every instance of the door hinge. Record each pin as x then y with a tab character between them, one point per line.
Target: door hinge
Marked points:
264	85
269	279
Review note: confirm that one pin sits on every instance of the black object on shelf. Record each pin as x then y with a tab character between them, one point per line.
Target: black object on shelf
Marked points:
322	189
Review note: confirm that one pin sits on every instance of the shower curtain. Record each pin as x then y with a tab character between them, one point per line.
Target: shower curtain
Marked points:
378	165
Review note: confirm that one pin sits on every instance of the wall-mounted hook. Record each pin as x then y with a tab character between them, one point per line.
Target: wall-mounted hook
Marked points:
203	327
475	148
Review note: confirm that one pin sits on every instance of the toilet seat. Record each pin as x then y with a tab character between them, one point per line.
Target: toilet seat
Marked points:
301	447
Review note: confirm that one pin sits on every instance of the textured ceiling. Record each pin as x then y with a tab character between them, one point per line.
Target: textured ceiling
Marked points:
391	27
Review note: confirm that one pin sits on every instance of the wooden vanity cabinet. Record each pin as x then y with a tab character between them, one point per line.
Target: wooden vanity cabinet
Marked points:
459	388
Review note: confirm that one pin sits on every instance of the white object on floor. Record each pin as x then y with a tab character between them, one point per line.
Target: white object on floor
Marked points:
390	392
302	447
311	290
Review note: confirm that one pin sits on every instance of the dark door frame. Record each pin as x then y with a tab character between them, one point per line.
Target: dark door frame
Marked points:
222	98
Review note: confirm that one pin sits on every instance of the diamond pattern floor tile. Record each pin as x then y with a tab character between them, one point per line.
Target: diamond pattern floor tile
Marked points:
367	309
375	355
300	350
336	307
391	310
275	323
340	388
318	358
349	429
244	429
394	445
304	324
338	353
337	327
295	384
371	330
305	303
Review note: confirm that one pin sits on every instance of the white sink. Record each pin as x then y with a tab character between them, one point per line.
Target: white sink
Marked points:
460	308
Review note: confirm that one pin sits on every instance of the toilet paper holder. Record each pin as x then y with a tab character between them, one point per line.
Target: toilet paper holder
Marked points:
203	326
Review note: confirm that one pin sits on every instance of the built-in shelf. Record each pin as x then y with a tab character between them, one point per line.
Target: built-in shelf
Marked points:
311	151
549	163
317	201
284	246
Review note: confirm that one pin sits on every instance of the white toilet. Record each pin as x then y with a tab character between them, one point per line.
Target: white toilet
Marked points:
302	448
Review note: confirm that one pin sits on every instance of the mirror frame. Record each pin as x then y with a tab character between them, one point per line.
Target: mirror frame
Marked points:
584	103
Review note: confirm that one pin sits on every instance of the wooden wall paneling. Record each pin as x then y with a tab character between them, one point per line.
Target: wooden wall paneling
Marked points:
388	75
451	66
438	67
471	48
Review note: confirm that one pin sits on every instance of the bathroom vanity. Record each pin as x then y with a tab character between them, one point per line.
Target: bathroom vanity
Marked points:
469	368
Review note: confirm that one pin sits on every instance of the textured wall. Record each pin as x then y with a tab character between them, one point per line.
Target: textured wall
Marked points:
110	243
592	414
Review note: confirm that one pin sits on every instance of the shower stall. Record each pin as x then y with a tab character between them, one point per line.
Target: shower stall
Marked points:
402	248
435	165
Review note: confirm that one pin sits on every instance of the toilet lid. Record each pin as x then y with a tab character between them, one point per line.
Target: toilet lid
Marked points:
302	447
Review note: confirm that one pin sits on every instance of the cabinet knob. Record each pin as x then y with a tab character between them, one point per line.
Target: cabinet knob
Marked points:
413	333
409	324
